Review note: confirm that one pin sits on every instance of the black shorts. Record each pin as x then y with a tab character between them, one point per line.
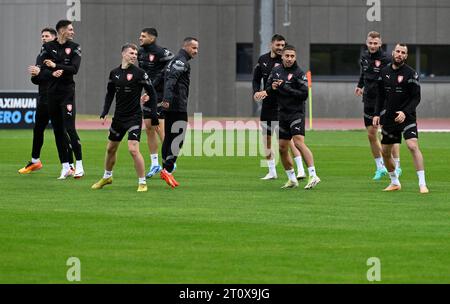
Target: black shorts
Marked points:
369	112
393	134
268	119
119	128
289	128
160	111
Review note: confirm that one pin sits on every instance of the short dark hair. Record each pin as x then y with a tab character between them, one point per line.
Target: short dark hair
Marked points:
278	37
188	40
151	31
50	30
289	47
129	46
402	45
62	23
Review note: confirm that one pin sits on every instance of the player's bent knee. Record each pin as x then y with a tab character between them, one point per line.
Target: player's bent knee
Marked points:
133	146
412	146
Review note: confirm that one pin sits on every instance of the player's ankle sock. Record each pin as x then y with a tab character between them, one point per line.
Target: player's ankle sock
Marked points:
154	159
79	165
65	166
379	163
142	181
271	165
291	175
312	171
107	174
35	160
397	162
300	169
421	176
394	178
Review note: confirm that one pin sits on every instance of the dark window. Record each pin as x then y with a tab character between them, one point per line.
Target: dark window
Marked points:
335	59
434	60
341	61
412	56
244	61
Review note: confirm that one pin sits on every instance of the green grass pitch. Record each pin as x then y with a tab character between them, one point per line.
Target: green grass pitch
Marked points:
223	224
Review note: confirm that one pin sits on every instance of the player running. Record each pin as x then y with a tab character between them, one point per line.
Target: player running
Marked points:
399	91
152	59
269	108
289	85
176	93
126	83
372	61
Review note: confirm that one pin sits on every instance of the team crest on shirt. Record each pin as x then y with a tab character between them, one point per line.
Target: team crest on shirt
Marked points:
68	51
276	64
129	77
400	78
377	63
69	108
151	57
290	76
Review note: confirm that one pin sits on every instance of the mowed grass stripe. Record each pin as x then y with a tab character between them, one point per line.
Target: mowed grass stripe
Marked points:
223	225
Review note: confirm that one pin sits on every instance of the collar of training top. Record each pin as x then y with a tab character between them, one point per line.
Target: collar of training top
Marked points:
376	54
149	46
185	54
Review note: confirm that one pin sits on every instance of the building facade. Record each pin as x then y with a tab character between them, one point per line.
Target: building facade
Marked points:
329	35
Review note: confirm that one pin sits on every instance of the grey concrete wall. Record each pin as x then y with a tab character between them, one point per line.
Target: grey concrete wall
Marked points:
344	21
20	43
106	25
219	24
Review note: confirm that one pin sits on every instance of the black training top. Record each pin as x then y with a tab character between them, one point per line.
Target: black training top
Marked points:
126	85
262	71
176	83
67	57
153	59
292	93
42	80
399	90
371	65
